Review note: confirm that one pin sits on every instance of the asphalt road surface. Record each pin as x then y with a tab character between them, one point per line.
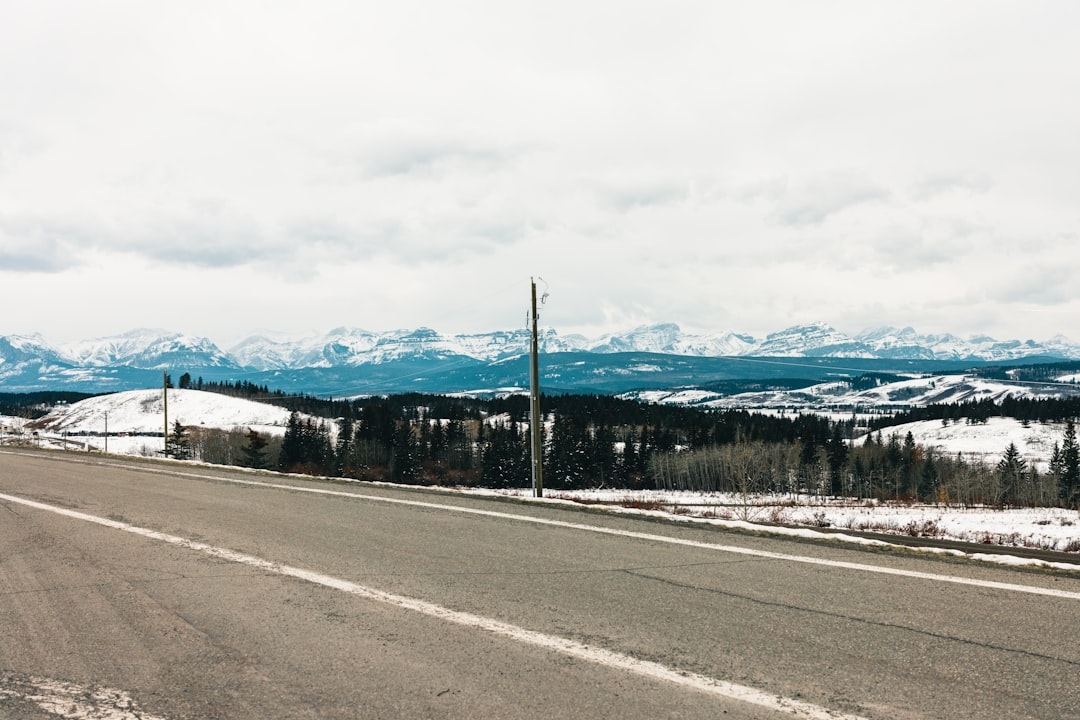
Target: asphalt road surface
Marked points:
132	589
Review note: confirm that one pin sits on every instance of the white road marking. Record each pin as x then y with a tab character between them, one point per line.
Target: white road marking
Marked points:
599	656
75	702
734	549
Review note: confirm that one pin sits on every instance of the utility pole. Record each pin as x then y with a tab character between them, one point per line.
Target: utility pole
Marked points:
534	398
165	401
106	432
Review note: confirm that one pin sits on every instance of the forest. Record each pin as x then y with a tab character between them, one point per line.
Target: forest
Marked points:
593	441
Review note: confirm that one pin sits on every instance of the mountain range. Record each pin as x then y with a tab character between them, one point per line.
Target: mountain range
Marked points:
347	361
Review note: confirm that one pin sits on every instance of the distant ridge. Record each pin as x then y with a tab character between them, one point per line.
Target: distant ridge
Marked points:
353	360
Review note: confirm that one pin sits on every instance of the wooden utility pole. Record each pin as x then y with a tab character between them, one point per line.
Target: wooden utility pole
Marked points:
165	402
534	397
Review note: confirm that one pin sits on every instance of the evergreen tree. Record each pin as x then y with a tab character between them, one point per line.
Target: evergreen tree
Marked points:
1055	466
343	452
808	462
292	445
505	461
566	455
438	444
1070	466
319	450
894	460
179	445
458	446
406	464
628	475
602	459
646	446
424	443
910	463
375	435
255	450
928	480
1011	469
836	450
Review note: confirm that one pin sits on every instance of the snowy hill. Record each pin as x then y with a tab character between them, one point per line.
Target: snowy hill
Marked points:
984	442
142	411
913	392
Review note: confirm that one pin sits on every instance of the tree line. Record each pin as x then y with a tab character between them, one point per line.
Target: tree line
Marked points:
604	441
240	388
601	441
977	411
33	405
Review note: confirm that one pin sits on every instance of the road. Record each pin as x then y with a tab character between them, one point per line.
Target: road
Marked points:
134	589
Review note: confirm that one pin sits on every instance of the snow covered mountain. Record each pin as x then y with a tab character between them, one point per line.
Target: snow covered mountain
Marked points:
17	349
342	347
351	360
149	349
669	339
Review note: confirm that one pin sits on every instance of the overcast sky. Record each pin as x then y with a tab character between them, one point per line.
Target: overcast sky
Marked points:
217	168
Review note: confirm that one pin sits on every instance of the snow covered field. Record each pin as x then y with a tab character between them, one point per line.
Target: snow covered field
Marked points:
135	420
142	411
1044	528
984	442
